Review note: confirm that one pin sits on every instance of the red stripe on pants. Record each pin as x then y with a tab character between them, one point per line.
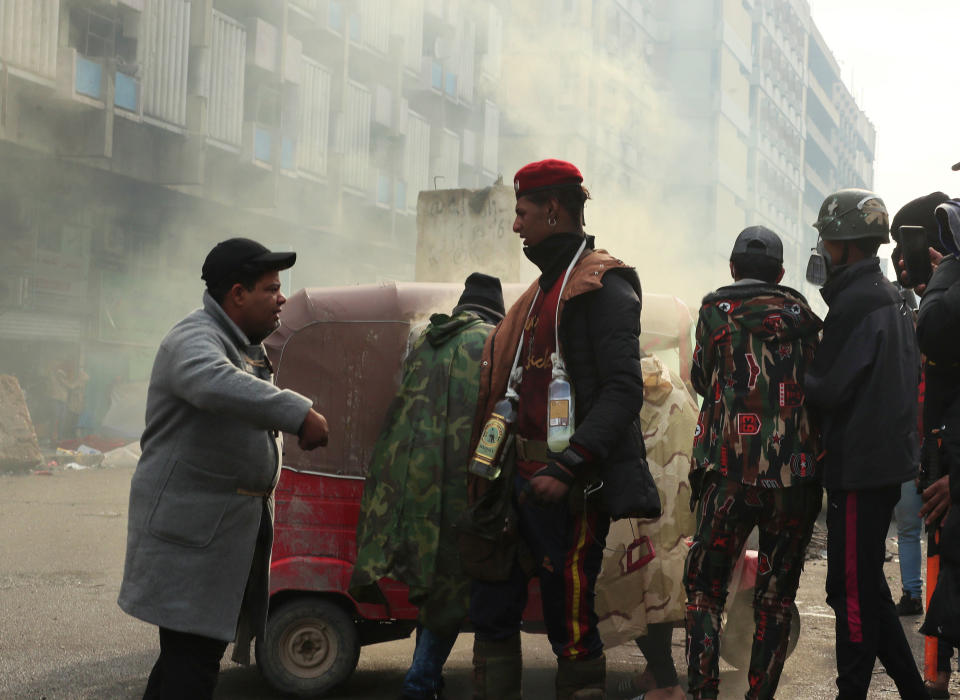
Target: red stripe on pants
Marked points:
854	626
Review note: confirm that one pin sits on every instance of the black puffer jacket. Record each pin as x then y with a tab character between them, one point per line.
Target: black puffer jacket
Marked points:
599	337
863	382
938	330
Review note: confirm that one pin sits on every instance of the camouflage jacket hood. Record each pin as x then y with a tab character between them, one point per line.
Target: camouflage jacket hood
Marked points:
773	313
443	328
754	342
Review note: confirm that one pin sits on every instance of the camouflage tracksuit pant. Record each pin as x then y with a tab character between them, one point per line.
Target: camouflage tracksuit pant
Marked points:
727	512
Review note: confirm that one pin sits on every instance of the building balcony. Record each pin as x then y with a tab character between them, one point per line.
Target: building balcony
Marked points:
814	178
29	35
823	142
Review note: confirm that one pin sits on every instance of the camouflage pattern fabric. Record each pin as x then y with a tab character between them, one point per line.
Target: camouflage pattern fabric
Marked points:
642	578
727	513
417	481
754	343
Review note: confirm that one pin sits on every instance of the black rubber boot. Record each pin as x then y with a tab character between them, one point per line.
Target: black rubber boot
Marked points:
497	668
582	679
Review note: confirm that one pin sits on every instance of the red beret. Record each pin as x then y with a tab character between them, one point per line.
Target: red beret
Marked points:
544	175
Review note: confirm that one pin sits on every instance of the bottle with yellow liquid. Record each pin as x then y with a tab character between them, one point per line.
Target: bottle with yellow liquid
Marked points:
560	408
496	439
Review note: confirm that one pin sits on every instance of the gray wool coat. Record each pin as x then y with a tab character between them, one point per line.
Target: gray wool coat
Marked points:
201	508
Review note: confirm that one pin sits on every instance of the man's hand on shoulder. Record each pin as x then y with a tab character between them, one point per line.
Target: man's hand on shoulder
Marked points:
314	431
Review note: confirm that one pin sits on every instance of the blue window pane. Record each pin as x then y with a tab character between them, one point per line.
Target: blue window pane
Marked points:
288	153
262	144
436	76
383	189
451	84
354	27
125	92
400	195
336	16
88	77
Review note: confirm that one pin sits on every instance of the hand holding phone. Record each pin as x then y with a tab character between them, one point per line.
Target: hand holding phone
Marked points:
916	255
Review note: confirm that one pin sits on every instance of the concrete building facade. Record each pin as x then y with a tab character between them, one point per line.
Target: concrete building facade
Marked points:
780	128
705	115
135	134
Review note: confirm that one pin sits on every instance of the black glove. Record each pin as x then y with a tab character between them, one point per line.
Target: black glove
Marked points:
562	467
557	471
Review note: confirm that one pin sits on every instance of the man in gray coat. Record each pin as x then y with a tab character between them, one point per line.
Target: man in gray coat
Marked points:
200	529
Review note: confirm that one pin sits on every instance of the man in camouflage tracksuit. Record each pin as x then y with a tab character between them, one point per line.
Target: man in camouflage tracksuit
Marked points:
417	481
754	458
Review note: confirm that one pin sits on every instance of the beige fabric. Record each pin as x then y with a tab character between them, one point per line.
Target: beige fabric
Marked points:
641	581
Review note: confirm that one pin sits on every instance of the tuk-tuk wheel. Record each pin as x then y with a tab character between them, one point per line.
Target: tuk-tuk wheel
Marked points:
310	646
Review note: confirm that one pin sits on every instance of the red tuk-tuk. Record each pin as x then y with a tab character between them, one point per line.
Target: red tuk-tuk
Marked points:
343	348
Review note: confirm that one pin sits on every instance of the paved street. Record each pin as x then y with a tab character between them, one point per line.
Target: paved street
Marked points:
63	636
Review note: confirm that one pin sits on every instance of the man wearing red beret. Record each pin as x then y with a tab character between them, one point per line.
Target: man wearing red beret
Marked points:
579	322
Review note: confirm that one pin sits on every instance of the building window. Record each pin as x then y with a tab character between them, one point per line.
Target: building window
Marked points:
98	33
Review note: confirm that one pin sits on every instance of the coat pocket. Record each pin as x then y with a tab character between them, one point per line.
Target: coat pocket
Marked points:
191	505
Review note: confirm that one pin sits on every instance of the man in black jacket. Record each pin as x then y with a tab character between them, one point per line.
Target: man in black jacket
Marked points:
863	382
590	302
917	212
938	331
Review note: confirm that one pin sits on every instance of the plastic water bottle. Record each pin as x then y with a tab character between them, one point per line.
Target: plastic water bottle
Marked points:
495	439
560	408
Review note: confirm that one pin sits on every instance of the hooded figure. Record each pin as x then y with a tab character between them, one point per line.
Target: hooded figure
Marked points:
417	481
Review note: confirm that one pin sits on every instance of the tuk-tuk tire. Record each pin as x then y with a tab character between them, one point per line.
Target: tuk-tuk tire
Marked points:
310	646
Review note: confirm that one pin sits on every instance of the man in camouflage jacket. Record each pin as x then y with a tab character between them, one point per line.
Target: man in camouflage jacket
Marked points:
417	482
754	458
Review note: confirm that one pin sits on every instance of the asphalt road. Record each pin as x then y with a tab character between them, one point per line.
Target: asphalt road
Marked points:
63	636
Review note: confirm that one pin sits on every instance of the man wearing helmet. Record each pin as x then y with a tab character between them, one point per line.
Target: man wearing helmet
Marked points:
863	382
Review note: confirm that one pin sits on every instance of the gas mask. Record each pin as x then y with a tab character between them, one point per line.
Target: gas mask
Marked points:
820	265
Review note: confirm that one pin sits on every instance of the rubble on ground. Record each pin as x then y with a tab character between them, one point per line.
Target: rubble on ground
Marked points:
123	457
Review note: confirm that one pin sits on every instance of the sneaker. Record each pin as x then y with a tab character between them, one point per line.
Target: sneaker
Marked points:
909	605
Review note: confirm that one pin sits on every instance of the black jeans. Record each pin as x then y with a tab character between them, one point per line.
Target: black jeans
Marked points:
187	667
868	627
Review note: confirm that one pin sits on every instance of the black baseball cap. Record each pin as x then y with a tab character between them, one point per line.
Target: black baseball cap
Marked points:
233	254
758	240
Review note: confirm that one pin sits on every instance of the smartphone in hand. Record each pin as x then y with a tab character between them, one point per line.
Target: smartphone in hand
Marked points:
916	255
